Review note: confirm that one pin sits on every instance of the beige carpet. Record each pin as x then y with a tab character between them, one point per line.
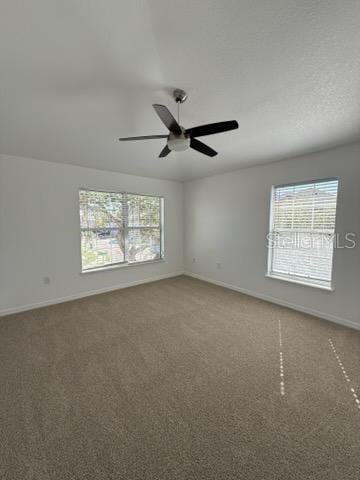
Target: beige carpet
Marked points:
177	379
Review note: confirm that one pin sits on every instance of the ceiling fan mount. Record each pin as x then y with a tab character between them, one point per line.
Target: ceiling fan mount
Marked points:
179	138
179	95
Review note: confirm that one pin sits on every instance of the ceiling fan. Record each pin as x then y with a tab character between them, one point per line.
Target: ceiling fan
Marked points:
179	138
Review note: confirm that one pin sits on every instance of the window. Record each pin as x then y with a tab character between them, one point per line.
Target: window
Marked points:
119	228
302	230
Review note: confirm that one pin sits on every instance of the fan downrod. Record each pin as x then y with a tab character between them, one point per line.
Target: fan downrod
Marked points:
179	95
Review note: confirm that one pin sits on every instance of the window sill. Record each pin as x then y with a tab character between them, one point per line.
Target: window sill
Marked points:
299	282
121	265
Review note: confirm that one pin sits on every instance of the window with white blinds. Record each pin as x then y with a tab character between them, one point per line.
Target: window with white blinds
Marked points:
119	228
302	232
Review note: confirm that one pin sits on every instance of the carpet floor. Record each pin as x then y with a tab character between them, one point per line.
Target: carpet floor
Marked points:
177	379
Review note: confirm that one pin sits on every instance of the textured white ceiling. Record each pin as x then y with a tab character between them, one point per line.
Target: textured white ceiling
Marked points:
77	74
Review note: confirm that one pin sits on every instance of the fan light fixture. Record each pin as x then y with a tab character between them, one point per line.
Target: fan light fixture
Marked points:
178	144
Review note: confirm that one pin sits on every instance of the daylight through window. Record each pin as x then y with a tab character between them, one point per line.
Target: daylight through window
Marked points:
302	232
119	228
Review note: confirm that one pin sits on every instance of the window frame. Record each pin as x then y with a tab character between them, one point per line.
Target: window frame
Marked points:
296	279
125	263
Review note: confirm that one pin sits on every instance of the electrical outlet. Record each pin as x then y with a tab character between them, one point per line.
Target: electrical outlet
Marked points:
193	260
46	280
218	266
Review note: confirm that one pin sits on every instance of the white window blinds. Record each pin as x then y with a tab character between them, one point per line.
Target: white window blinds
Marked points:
144	232
118	228
302	228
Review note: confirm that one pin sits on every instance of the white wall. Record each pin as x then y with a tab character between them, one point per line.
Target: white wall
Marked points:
40	233
227	220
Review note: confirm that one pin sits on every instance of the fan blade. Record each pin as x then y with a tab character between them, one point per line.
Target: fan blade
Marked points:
146	137
212	128
202	148
165	151
167	118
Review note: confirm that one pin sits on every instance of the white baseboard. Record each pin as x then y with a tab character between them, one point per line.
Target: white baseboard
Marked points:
325	316
69	298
